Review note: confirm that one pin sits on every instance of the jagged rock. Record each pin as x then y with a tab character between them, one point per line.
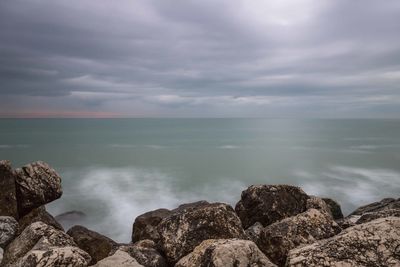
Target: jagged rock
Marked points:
118	259
277	239
54	256
8	230
225	253
186	227
348	221
145	225
145	253
38	215
98	246
376	243
36	184
384	204
71	218
254	231
370	216
35	242
318	203
270	203
334	207
8	199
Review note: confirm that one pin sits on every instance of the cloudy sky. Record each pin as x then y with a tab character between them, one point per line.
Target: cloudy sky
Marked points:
203	58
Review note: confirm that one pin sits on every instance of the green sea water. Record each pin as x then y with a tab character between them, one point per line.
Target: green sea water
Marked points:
116	169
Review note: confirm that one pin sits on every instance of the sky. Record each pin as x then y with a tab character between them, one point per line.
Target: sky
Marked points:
204	58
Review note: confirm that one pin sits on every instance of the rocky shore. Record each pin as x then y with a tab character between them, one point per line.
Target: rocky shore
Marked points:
271	225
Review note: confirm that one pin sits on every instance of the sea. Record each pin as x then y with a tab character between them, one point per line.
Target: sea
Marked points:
116	169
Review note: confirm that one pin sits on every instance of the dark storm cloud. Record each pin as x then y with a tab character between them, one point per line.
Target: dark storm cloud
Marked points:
201	58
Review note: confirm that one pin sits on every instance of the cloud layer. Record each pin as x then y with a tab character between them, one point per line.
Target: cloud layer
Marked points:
305	58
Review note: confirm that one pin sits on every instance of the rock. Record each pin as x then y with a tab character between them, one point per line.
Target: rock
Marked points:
98	246
254	231
8	199
349	221
145	225
55	256
145	253
384	204
270	203
71	218
8	230
225	253
35	242
38	215
334	207
185	228
277	239
1	255
118	259
370	216
36	184
376	243
317	203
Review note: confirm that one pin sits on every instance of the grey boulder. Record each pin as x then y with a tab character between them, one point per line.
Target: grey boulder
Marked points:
8	230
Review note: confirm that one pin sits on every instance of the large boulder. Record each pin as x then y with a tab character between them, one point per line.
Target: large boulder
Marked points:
370	216
270	203
38	215
186	227
384	204
98	246
225	253
8	199
8	230
278	238
145	253
40	242
118	259
145	225
376	243
334	207
36	184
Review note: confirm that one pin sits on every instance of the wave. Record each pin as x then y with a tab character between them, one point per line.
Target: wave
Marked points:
228	147
5	146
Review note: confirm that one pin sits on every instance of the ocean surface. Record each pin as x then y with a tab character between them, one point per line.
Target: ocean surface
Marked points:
116	169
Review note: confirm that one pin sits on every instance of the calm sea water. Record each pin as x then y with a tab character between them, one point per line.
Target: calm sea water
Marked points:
116	169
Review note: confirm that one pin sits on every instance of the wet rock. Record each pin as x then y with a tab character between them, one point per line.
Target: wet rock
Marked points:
370	216
8	199
36	184
187	227
334	207
277	239
8	230
38	215
98	246
384	204
270	203
145	253
376	243
71	218
145	225
225	253
118	259
35	242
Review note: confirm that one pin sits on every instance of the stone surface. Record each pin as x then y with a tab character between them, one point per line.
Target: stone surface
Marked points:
38	215
186	227
36	184
348	221
8	230
225	253
145	253
277	239
270	203
118	259
376	243
8	199
334	207
98	246
318	203
384	204
145	225
370	216
253	232
71	218
33	243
